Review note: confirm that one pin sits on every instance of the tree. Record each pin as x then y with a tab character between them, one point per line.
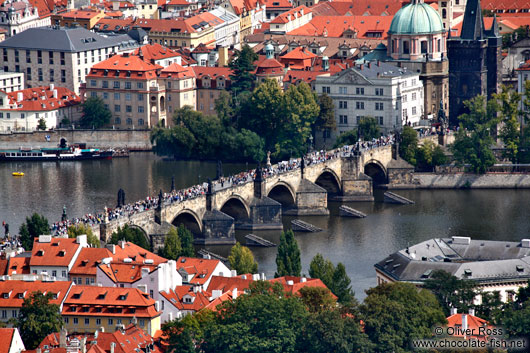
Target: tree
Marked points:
515	316
42	124
134	235
506	103
242	260
242	65
322	268
79	229
187	333
225	108
350	137
326	118
396	313
186	241
451	291
368	128
335	278
473	140
408	144
288	257
95	114
317	299
172	247
429	155
38	318
177	142
33	227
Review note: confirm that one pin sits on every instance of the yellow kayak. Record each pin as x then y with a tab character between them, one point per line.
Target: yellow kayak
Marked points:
18	174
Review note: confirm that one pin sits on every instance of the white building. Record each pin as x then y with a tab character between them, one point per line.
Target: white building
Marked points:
12	340
59	55
11	81
22	110
18	15
227	33
376	89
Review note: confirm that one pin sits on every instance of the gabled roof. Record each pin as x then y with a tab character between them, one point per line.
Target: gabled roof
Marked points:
125	272
6	338
154	51
64	39
126	249
177	298
201	269
227	284
88	260
13	292
294	13
42	99
359	7
299	53
278	4
80	14
57	252
293	284
176	71
20	265
335	26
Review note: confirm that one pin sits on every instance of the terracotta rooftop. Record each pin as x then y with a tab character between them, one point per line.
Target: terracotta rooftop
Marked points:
154	51
294	13
88	260
14	292
42	99
335	26
57	252
6	338
18	265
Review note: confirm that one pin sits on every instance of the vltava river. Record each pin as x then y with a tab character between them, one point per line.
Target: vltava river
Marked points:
87	186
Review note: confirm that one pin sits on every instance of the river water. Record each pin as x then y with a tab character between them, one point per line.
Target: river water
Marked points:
88	186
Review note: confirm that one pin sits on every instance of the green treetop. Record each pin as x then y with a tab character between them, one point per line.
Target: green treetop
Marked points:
288	257
506	103
95	114
242	65
74	231
242	260
33	227
172	247
134	235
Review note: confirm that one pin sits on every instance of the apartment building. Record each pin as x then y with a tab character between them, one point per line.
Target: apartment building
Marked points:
391	95
84	18
211	81
59	55
11	81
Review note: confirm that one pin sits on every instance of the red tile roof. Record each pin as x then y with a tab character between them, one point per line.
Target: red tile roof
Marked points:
176	71
125	272
505	4
299	53
201	269
269	67
227	284
199	299
132	301
151	52
297	76
6	338
18	265
473	323
455	31
126	66
41	99
297	283
334	26
14	292
362	7
4	265
213	73
274	4
126	249
294	13
80	14
57	252
88	260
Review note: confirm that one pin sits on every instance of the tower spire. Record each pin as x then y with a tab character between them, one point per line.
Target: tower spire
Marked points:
473	25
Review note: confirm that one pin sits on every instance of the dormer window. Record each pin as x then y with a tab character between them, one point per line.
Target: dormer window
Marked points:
123	296
6	295
40	253
62	253
77	295
102	296
84	262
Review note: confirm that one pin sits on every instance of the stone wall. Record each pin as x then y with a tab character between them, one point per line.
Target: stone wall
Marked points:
131	139
471	181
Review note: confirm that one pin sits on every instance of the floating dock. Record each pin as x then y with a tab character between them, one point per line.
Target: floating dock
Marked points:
390	197
254	240
346	211
301	226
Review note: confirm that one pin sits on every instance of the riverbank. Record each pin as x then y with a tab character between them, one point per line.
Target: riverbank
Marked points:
467	181
132	140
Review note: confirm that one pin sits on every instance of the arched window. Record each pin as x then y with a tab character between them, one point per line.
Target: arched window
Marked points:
117	121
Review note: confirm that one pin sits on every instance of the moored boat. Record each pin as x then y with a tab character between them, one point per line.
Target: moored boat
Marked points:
18	174
61	153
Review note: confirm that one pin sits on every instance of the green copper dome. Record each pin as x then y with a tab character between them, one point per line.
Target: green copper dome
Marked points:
416	18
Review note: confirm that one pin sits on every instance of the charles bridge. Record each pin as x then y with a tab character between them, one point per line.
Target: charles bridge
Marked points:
258	203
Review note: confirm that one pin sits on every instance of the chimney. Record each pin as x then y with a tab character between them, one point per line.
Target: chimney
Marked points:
234	293
454	311
263	278
20	96
303	280
52	86
55	93
122	244
255	277
233	273
472	312
112	347
83	345
112	248
464	321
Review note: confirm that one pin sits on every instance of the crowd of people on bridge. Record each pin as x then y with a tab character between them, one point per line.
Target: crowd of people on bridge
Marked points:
127	210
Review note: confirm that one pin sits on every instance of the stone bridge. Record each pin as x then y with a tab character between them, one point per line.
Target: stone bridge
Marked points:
259	203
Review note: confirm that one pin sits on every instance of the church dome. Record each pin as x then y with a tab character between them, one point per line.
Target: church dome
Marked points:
416	18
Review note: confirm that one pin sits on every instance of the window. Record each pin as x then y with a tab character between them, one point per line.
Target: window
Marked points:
343	104
140	85
52	74
116	95
343	119
76	320
28	56
14	313
40	74
326	89
404	112
87	281
63	273
51	57
63	75
127	85
93	94
98	322
423	46
87	321
413	96
140	109
117	108
62	59
4	314
105	84
54	273
140	97
404	98
93	83
16	56
128	108
66	320
359	105
343	90
406	47
359	90
142	322
378	91
117	121
105	95
151	293
413	110
111	322
129	121
116	84
140	122
128	96
379	106
28	73
380	120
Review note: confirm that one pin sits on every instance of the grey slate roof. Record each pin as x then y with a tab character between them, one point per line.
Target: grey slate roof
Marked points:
64	39
480	260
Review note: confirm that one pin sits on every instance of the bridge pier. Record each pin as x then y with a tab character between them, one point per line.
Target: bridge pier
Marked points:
311	200
356	186
217	228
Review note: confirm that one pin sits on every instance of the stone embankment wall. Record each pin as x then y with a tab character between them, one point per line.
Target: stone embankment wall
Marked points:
471	181
131	139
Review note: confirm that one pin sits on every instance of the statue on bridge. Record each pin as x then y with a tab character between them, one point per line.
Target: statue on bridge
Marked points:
172	183
210	186
64	217
160	200
259	173
302	167
442	118
219	174
121	198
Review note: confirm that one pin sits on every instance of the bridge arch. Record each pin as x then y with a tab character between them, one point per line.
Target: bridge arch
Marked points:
146	236
283	193
236	207
377	171
189	219
330	181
